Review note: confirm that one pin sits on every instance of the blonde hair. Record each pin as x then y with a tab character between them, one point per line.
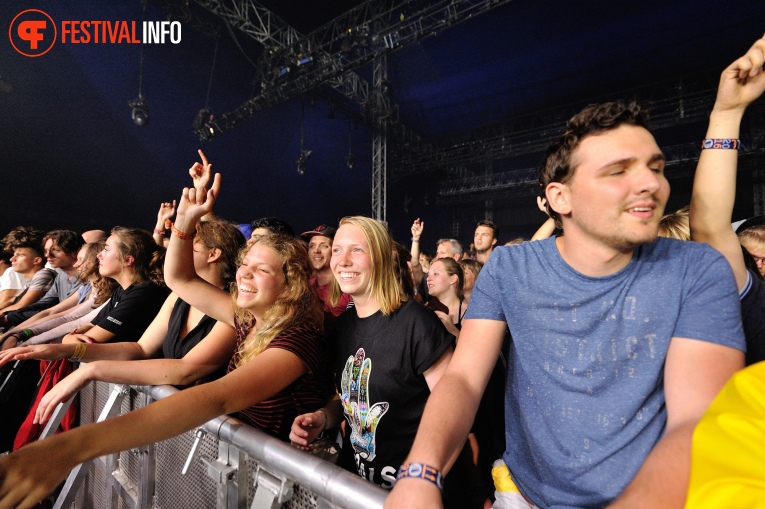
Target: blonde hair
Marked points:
676	225
384	283
753	237
296	303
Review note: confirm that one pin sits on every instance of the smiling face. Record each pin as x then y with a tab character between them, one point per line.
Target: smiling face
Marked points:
259	279
319	252
351	261
439	281
617	194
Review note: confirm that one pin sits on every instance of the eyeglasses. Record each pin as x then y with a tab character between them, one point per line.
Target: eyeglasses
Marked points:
758	259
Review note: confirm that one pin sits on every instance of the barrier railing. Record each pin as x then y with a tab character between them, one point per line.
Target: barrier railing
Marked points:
224	464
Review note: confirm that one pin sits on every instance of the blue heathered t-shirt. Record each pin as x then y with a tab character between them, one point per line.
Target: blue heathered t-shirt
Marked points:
584	403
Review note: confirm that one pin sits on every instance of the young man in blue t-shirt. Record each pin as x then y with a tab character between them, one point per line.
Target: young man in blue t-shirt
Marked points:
620	340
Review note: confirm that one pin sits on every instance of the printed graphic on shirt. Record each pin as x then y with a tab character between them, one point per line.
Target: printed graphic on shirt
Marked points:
354	394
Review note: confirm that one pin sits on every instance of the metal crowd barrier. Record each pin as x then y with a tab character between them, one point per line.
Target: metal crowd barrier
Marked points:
225	464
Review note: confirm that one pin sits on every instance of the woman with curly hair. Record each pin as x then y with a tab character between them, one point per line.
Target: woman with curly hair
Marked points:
278	372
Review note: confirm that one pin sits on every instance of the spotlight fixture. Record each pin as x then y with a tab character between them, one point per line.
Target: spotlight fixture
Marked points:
205	115
140	111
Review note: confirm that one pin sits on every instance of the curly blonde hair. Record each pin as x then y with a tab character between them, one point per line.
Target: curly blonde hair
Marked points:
296	303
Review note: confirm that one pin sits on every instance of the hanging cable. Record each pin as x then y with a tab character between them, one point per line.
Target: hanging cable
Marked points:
139	109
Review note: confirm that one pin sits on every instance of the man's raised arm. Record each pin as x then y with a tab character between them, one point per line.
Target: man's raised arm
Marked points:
714	186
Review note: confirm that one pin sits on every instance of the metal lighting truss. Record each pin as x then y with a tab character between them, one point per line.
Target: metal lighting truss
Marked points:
677	158
328	54
533	133
381	103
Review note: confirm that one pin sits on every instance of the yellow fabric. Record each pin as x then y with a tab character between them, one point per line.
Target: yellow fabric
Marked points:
503	482
728	455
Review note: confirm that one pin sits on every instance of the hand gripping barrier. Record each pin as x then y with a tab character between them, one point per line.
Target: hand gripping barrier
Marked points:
238	466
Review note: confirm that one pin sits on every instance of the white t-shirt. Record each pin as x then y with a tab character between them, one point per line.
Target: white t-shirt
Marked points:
12	280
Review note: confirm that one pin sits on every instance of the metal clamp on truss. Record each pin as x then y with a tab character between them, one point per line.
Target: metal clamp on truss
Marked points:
272	489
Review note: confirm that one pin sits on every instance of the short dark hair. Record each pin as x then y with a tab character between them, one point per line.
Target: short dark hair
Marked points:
69	241
274	225
5	254
592	120
489	224
25	236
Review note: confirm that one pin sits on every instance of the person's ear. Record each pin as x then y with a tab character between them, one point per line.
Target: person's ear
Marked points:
454	279
214	254
129	261
559	197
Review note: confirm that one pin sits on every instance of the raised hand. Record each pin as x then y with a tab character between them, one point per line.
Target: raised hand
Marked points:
542	205
743	81
200	172
417	228
354	395
166	212
196	203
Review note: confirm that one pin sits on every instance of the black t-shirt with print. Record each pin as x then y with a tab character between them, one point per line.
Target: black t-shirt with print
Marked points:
130	311
379	366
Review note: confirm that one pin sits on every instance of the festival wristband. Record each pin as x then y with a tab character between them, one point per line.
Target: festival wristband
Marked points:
183	235
724	143
421	471
79	352
158	231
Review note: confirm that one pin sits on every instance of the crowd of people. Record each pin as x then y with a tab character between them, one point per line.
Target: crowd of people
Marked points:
567	370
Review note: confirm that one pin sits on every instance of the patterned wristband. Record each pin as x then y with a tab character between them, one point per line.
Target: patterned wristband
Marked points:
421	471
183	235
724	143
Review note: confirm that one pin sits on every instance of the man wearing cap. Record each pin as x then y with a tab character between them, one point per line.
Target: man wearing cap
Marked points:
319	253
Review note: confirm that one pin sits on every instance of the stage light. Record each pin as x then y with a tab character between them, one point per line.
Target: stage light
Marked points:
139	111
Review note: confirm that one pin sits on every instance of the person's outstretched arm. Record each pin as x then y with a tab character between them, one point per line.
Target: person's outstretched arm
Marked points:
714	186
211	354
30	473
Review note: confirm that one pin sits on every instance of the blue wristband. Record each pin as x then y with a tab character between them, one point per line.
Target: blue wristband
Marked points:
421	471
724	143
